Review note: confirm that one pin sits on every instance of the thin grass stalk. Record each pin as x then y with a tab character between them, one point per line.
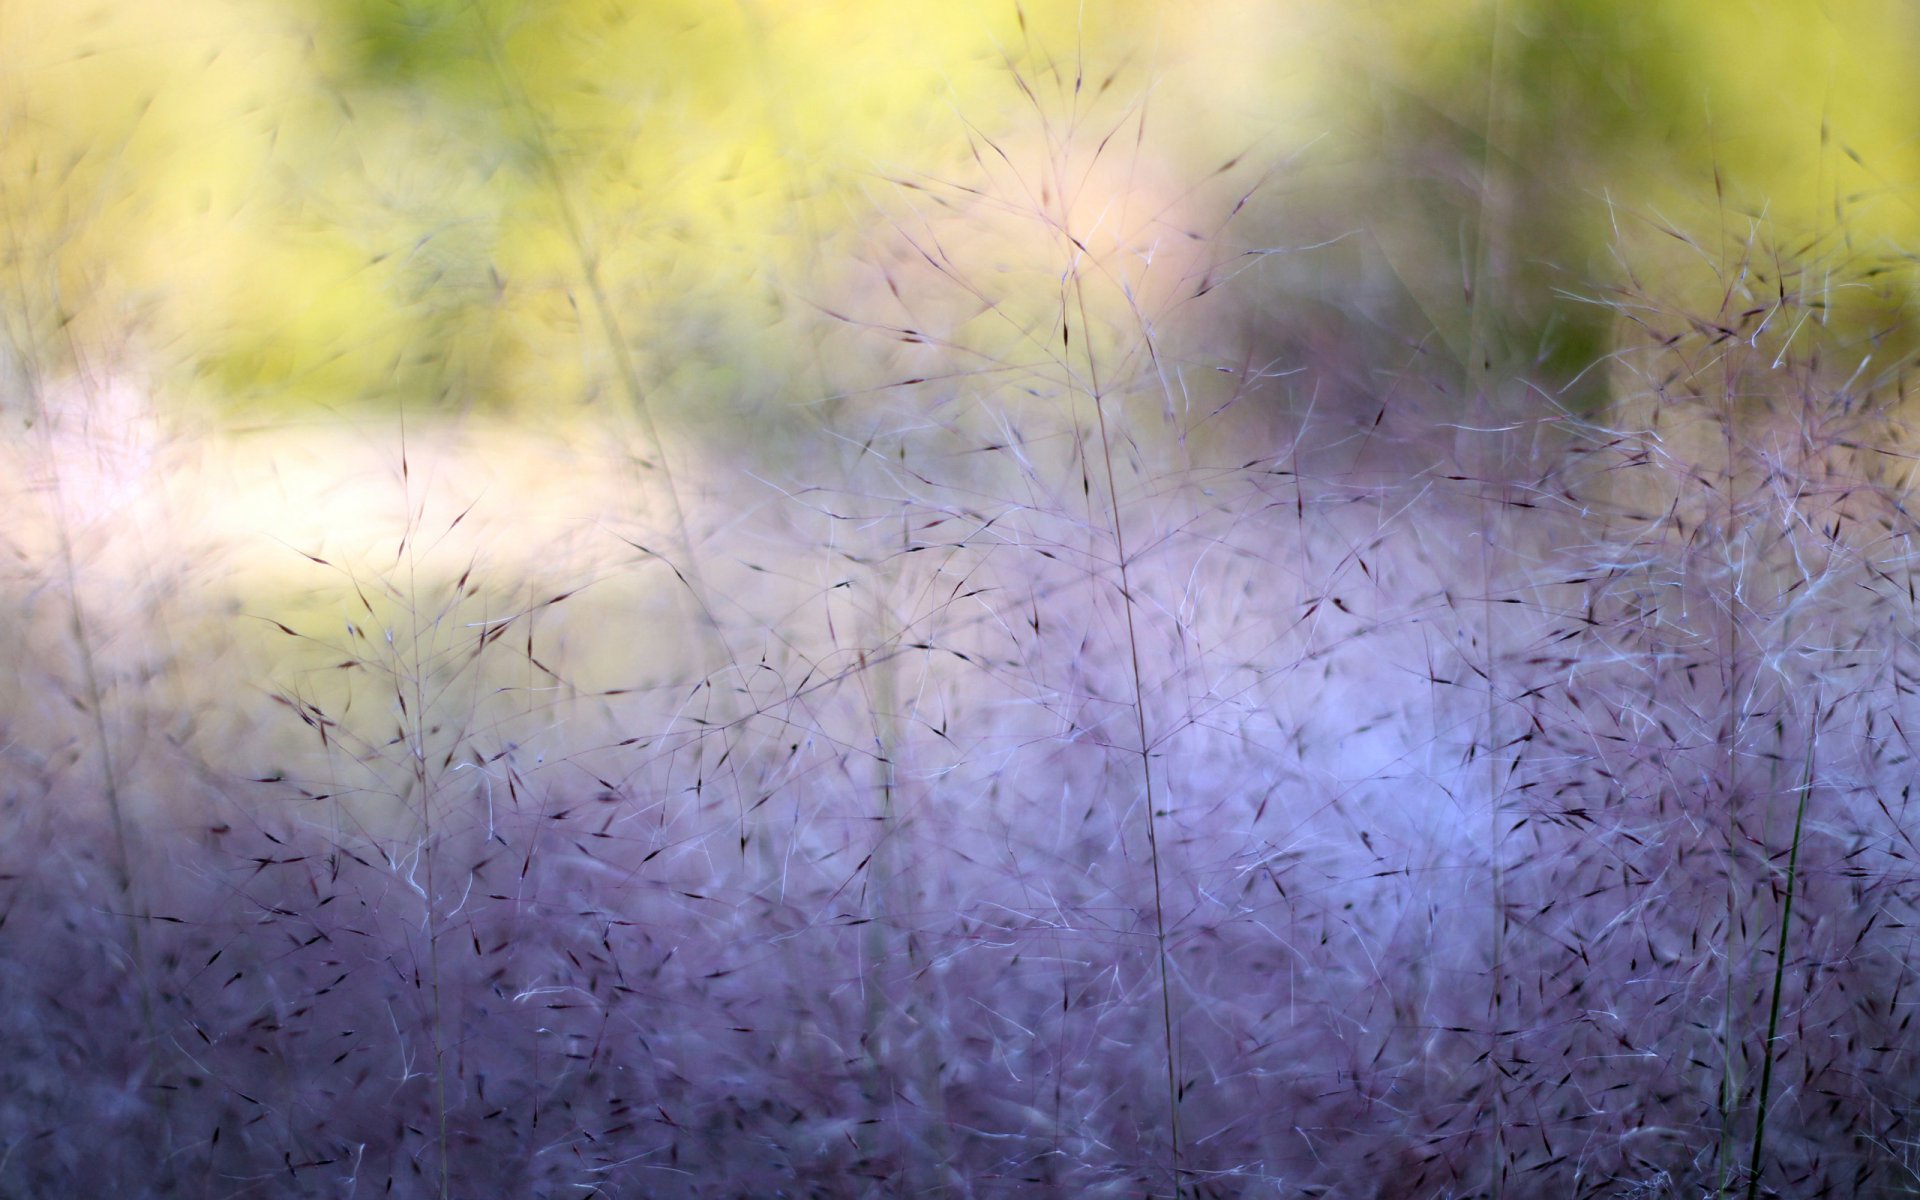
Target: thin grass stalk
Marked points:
1496	837
879	900
425	782
1492	472
1767	1056
1731	733
1146	746
111	782
685	561
884	906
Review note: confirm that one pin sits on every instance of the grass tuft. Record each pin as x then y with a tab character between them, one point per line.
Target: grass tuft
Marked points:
1092	760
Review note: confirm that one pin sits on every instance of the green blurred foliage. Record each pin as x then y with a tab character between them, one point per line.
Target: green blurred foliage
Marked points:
1501	165
502	205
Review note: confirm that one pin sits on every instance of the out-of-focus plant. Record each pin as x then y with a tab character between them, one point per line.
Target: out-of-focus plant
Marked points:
353	205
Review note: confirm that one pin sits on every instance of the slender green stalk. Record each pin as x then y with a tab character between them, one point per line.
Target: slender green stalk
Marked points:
1780	960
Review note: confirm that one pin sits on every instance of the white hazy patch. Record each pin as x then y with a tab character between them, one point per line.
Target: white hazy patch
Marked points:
1300	654
98	456
180	551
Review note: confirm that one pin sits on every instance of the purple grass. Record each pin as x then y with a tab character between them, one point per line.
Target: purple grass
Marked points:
1089	762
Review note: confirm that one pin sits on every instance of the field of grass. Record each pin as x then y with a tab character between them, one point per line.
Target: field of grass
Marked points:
1083	755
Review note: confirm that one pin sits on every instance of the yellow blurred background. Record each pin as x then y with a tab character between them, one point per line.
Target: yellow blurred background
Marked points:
278	209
